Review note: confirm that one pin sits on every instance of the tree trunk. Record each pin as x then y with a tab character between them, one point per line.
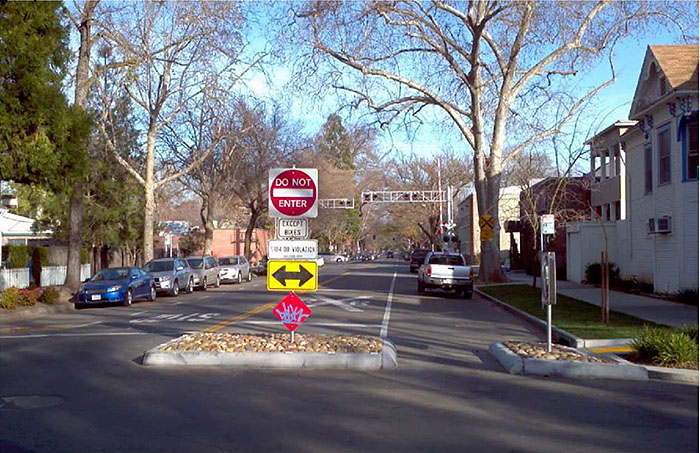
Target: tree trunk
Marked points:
75	222
490	270
209	225
254	216
104	257
148	219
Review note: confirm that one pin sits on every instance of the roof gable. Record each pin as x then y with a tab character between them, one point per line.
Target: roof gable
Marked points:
666	68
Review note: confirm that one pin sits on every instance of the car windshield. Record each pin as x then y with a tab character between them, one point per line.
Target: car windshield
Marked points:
111	274
420	254
195	263
158	266
225	261
450	260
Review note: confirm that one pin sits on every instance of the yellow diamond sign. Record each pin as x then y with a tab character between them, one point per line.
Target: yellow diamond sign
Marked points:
292	276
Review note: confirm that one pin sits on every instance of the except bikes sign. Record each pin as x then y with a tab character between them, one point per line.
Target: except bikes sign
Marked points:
293	192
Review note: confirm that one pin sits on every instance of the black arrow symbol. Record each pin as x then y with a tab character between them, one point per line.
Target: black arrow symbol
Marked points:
282	275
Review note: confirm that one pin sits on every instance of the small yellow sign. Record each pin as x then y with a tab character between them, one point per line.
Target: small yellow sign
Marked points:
292	276
486	234
487	222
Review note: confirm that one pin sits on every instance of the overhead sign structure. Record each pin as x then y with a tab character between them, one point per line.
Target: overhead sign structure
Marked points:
293	192
292	228
292	250
292	312
292	275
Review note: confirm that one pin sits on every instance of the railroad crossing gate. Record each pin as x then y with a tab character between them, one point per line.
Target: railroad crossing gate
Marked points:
292	276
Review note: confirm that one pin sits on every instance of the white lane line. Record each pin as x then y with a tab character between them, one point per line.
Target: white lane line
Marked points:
387	311
96	334
312	324
138	313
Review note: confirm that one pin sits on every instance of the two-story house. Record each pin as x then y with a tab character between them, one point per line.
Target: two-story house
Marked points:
644	172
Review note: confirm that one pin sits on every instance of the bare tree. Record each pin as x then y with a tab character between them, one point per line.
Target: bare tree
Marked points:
171	55
495	69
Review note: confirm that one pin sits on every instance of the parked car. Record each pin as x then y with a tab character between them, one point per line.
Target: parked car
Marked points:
261	268
117	285
406	256
328	256
389	254
446	271
417	258
205	271
234	268
320	261
171	275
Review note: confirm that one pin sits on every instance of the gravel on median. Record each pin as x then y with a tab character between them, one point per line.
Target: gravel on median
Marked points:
231	342
559	352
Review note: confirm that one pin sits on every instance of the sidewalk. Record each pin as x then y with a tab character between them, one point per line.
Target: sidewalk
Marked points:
649	308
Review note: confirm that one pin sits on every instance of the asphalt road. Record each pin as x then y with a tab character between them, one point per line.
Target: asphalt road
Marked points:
73	382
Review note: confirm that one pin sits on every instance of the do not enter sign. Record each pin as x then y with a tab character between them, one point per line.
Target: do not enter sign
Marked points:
293	192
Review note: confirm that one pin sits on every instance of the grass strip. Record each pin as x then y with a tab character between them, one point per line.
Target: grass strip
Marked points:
573	315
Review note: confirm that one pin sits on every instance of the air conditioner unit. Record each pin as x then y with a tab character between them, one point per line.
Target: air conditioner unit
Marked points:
659	225
663	224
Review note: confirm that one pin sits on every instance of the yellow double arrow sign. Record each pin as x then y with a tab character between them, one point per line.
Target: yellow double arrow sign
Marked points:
292	276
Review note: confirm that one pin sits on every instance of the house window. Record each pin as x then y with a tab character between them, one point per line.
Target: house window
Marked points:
663	143
648	188
692	156
618	216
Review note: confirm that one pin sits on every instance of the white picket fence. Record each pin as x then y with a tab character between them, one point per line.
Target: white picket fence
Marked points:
50	276
19	278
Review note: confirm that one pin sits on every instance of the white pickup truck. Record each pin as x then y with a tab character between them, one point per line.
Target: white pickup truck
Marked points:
446	271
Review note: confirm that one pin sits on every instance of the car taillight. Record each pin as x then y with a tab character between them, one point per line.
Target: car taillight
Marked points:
429	270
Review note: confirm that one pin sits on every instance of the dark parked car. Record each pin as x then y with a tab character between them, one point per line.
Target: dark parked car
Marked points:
417	258
117	285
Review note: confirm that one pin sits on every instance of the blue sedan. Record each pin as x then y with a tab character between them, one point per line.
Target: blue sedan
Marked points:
117	285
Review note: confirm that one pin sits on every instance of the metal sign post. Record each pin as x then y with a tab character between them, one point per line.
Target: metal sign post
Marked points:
548	274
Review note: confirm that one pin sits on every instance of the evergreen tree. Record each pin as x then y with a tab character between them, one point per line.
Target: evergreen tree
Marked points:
335	145
40	134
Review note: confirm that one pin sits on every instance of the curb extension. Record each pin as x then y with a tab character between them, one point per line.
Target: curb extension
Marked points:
37	310
557	333
514	364
665	374
386	359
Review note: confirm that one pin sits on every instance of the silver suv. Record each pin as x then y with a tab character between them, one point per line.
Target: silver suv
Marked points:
171	275
205	271
234	268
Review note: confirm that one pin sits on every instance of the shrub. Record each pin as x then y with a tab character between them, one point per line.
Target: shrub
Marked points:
17	255
687	296
9	298
667	347
691	330
49	296
28	297
593	273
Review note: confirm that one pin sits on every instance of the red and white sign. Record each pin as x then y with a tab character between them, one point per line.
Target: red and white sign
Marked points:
292	312
293	192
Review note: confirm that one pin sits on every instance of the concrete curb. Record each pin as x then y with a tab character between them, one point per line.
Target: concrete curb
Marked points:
318	360
665	374
558	334
36	310
509	360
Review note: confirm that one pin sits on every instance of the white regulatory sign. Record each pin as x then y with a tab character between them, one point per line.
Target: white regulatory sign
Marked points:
292	228
292	250
547	223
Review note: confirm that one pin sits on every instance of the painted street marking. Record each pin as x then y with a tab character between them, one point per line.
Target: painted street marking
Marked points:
603	350
48	327
96	334
192	317
314	324
338	303
241	317
138	313
387	311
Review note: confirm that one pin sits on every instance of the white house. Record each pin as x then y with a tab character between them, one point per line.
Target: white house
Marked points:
652	233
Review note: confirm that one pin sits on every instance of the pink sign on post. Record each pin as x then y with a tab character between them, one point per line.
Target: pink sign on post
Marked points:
292	312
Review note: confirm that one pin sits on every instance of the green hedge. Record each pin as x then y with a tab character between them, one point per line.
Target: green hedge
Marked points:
17	255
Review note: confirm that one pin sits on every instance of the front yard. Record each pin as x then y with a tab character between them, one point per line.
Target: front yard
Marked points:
578	317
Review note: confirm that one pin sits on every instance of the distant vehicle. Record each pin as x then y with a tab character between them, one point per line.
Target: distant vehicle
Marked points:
234	269
320	261
205	271
328	256
447	271
406	256
117	285
417	257
171	275
261	268
389	254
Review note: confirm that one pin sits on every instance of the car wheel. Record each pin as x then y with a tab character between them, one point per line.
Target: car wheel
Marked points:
129	298
218	281
204	284
176	289
239	278
250	276
153	295
190	286
466	293
79	306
